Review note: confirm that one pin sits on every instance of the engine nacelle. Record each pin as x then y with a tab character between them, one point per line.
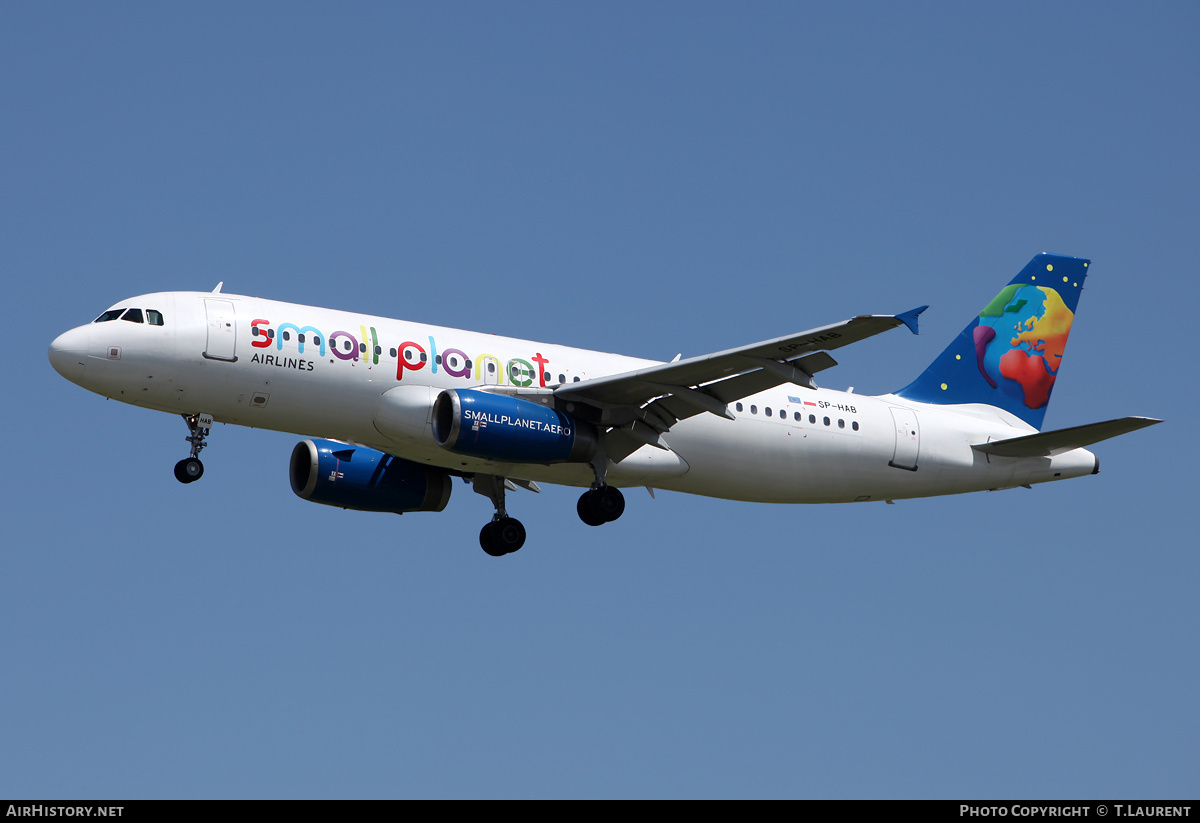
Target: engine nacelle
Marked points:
508	429
353	477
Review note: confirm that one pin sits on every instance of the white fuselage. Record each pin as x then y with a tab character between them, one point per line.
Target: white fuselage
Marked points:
241	360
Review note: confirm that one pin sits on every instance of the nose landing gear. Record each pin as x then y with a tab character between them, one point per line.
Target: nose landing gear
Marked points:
190	469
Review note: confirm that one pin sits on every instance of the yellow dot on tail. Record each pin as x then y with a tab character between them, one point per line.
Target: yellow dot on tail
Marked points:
958	357
1049	267
944	387
1065	279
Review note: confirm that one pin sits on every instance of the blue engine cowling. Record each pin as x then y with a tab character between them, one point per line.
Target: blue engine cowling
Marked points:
508	429
353	477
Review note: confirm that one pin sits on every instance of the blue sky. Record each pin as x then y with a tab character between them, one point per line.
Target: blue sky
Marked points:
642	178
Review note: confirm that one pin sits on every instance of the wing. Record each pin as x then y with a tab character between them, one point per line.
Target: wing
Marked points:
641	405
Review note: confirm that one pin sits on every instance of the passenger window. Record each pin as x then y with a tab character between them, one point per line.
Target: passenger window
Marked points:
300	338
378	350
754	409
391	352
491	368
812	418
154	318
111	314
738	407
287	335
767	411
826	421
841	424
575	379
562	378
782	414
133	316
854	425
797	416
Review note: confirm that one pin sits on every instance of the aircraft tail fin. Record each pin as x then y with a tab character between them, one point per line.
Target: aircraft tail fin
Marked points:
1009	355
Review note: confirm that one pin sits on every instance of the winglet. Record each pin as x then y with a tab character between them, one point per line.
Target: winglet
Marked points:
217	290
909	318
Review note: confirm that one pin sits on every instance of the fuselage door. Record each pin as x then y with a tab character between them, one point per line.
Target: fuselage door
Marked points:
222	331
491	370
908	439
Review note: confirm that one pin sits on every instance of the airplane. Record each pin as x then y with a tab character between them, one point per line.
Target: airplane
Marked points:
395	410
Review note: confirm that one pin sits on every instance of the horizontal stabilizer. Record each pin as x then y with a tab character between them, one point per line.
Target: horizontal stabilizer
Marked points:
1046	444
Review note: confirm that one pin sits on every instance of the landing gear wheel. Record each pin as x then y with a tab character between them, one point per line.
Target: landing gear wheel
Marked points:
601	505
610	503
510	534
488	541
503	536
189	470
587	511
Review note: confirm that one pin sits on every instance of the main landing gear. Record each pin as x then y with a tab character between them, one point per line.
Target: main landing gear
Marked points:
504	535
190	469
600	504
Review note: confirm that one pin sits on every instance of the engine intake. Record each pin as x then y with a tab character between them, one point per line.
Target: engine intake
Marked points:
353	477
509	429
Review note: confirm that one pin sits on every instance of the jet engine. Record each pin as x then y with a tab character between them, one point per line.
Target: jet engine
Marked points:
509	429
353	477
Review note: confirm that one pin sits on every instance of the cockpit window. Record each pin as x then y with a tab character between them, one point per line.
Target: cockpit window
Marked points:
154	318
111	314
133	316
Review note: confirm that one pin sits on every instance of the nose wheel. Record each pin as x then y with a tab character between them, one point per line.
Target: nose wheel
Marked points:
190	469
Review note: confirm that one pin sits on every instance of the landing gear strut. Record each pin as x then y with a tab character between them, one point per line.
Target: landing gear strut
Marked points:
601	503
190	469
504	535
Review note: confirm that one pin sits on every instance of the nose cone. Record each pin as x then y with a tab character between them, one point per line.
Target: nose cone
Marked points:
69	352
